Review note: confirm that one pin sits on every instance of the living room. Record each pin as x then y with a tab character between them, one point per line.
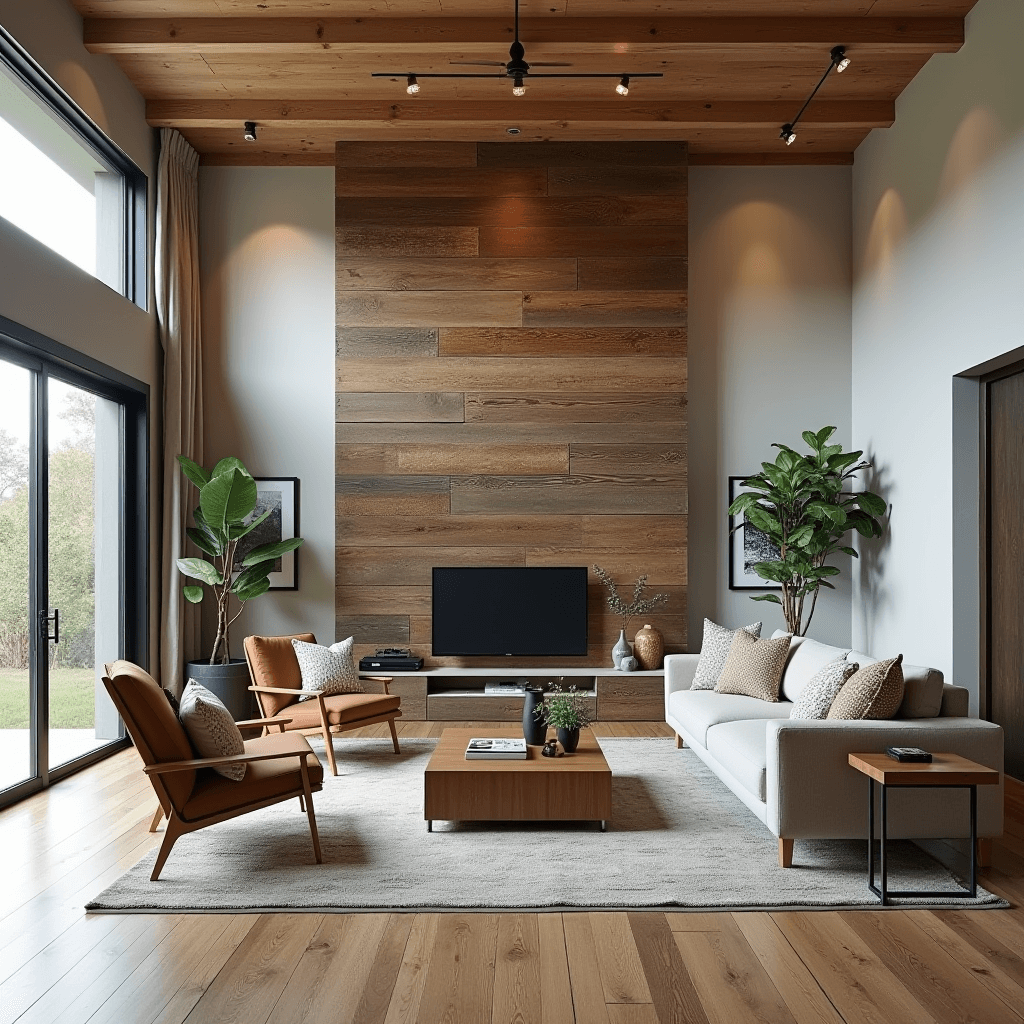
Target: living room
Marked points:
461	347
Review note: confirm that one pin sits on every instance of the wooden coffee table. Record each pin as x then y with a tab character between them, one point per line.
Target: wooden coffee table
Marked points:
576	787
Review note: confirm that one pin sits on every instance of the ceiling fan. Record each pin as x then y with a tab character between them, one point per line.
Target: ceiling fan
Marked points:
516	68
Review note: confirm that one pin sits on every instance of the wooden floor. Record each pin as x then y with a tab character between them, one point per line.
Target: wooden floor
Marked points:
59	965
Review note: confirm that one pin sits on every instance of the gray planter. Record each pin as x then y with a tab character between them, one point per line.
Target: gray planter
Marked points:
229	682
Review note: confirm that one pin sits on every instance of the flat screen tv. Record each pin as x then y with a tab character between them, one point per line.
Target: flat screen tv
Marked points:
516	611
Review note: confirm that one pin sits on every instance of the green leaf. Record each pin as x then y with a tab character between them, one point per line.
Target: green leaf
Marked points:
811	440
194	472
193	594
850	551
268	552
825	433
203	541
227	499
228	464
253	574
771	598
871	503
801	535
742	503
259	587
236	532
199	569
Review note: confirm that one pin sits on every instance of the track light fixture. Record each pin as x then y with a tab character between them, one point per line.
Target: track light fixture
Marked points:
840	62
411	85
623	87
518	89
250	131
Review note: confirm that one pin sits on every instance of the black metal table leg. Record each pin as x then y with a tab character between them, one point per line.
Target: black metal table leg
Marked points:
871	833
974	841
881	847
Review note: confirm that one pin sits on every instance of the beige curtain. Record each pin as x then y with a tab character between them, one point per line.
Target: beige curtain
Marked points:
178	316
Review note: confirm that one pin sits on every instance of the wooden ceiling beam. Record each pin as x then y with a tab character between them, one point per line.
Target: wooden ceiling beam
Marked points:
314	115
616	35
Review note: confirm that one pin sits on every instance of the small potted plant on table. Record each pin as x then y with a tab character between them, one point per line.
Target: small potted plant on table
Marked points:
568	711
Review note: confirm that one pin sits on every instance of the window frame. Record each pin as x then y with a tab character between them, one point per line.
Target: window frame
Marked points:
18	62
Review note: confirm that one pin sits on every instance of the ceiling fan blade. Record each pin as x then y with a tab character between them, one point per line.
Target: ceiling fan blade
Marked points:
478	63
545	64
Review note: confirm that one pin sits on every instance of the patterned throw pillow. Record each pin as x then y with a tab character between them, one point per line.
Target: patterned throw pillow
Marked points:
329	670
754	667
211	729
875	691
713	652
816	697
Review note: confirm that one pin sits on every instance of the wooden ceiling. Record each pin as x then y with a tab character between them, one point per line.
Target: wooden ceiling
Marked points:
734	71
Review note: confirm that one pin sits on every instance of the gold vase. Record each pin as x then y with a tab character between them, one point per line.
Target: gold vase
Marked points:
649	648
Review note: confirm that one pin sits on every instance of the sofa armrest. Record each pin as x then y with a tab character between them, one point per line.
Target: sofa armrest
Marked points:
956	701
679	672
813	792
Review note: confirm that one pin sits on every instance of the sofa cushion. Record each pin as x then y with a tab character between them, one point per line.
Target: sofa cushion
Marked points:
714	649
861	658
807	657
816	697
699	710
922	692
754	666
872	692
740	748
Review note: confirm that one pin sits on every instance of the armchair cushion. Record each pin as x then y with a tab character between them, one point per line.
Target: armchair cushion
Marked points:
264	780
153	725
272	662
341	709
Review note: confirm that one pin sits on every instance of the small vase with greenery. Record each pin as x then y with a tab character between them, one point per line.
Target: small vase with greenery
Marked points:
227	500
640	605
805	506
568	711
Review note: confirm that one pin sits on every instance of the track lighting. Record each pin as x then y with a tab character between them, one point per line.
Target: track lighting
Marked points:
788	134
840	62
518	89
623	87
839	58
412	86
250	131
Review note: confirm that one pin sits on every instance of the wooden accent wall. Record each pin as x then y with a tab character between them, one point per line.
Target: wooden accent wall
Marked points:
511	373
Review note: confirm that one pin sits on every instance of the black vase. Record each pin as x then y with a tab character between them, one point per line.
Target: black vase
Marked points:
570	739
228	682
535	732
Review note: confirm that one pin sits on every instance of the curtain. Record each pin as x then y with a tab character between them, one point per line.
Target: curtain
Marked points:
178	318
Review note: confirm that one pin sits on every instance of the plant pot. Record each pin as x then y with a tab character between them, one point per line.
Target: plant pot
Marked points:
649	648
621	649
570	739
534	732
229	682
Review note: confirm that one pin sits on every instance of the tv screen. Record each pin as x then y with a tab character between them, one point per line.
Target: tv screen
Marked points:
524	612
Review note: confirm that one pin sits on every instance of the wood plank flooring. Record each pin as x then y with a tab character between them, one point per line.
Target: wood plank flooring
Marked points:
59	965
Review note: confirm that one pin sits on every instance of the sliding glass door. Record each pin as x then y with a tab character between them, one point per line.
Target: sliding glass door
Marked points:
72	527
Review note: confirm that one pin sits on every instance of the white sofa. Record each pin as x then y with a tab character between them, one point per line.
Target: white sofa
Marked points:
794	775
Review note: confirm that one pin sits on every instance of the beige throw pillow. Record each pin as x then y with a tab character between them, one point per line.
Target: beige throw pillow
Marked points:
329	670
875	691
211	729
713	652
754	667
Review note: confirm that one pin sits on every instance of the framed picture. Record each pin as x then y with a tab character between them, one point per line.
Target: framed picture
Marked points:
747	545
281	495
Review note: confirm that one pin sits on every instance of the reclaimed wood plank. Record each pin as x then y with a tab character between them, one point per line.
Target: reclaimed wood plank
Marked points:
644	273
400	407
563	341
471	531
604	309
384	342
625	459
546	495
585	154
373	629
412	309
609	180
624	243
407	241
388	180
631	432
445	274
398	600
404	154
435	459
412	566
585	407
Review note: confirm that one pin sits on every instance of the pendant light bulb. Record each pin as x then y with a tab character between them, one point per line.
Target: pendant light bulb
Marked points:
412	86
787	134
623	87
249	133
518	89
839	58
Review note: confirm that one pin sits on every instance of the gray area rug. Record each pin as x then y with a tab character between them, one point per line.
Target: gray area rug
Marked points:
677	838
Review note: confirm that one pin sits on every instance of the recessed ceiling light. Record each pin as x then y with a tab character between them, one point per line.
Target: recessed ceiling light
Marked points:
513	131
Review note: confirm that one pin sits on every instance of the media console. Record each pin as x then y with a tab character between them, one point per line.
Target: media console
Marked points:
457	694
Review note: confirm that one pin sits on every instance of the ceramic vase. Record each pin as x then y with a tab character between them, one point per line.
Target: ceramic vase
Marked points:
535	732
628	664
570	739
649	648
621	649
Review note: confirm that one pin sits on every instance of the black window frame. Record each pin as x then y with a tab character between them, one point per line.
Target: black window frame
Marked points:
20	63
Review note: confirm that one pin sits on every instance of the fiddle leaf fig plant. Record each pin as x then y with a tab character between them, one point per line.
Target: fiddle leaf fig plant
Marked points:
227	500
804	505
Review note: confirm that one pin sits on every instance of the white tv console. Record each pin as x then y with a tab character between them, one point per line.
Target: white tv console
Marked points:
457	694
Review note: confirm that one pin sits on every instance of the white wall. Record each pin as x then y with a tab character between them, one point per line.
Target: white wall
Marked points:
938	212
267	262
769	357
45	292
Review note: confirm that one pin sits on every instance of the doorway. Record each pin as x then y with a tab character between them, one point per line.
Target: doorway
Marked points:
72	583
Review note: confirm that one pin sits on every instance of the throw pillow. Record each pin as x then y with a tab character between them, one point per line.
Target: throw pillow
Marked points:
754	667
816	697
211	729
874	691
328	670
714	650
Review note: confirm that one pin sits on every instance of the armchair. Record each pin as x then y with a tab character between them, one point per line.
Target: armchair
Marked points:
277	683
191	795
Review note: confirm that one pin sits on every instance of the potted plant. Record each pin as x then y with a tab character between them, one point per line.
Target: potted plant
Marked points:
638	606
568	711
804	504
224	516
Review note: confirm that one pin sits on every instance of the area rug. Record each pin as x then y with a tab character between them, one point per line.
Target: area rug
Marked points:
677	838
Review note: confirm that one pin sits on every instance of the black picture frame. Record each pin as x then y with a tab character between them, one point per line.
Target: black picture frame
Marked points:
741	578
283	493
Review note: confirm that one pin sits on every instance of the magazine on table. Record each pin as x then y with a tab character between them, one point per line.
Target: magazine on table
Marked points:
513	689
494	748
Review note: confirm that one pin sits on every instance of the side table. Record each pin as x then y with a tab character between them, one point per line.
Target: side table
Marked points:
945	770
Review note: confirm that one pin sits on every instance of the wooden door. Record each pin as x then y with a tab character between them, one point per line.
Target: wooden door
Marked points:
1005	485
